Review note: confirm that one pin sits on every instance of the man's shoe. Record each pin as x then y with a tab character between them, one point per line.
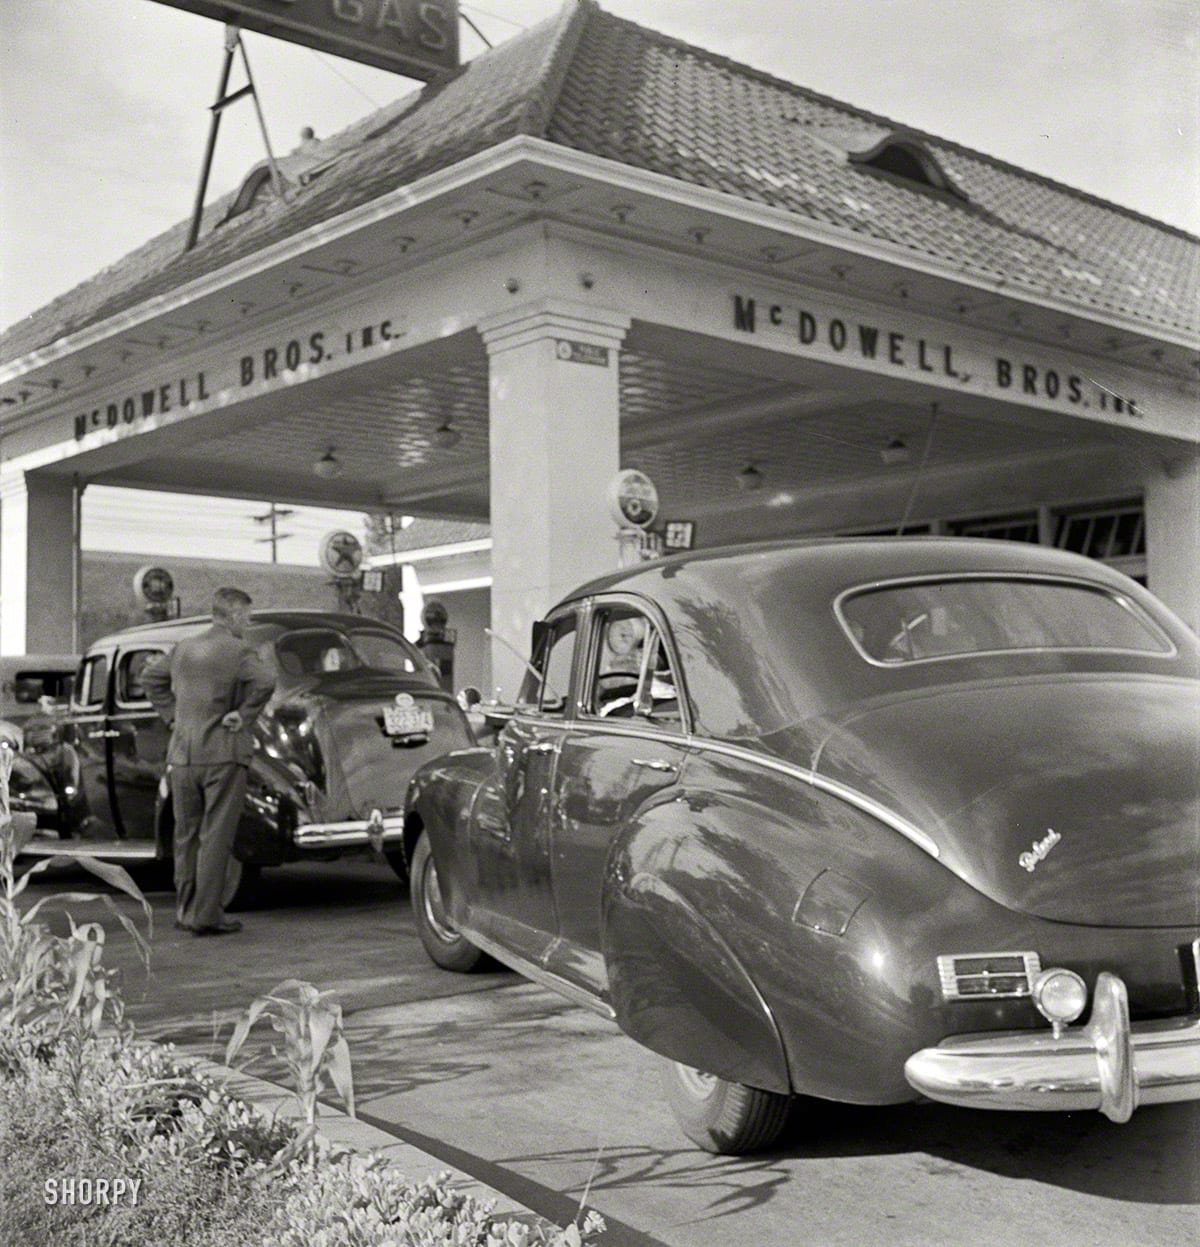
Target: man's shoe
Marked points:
219	928
183	926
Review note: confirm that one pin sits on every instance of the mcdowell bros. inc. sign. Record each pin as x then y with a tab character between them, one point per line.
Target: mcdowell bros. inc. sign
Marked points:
883	345
416	38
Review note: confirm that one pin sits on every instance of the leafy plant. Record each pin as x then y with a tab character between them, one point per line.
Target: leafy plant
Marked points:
49	981
314	1048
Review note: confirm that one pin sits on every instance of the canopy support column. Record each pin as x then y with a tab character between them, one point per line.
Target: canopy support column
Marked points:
39	563
554	428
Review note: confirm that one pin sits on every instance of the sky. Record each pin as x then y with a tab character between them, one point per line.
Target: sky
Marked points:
104	112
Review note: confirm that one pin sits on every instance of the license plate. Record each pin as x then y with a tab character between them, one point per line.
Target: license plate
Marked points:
407	721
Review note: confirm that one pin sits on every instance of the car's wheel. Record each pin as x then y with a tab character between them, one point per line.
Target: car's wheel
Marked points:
442	941
395	859
241	885
721	1116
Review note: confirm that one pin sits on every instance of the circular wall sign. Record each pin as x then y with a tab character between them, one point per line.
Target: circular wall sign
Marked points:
154	584
341	553
633	499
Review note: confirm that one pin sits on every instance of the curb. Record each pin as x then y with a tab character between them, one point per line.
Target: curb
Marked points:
354	1135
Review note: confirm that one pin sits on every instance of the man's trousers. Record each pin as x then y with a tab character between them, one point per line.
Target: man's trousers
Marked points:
208	804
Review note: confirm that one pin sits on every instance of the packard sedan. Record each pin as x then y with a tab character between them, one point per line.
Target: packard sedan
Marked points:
356	709
865	820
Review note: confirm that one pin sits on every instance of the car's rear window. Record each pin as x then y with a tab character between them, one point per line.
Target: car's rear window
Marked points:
317	651
947	617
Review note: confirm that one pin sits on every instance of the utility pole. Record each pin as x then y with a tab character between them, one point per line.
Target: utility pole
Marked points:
272	518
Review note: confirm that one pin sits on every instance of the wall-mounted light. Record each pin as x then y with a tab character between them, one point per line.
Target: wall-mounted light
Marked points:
328	466
749	479
895	452
446	437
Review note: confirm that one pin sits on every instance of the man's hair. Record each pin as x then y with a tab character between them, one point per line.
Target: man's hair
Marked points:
226	600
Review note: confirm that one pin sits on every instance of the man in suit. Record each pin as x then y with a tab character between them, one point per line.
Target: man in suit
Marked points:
209	689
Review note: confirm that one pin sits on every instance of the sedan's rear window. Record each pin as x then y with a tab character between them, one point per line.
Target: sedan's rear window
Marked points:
943	618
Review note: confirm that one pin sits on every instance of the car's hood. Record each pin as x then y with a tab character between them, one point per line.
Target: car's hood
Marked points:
1076	801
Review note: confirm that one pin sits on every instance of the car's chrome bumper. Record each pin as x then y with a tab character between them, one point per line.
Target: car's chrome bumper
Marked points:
1107	1064
378	830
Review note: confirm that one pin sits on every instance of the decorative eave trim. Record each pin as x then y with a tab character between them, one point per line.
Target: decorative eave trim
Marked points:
555	157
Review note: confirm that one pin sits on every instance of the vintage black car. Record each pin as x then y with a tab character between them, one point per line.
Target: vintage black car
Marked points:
864	820
356	709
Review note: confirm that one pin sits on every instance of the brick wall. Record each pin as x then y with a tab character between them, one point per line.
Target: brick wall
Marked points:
109	602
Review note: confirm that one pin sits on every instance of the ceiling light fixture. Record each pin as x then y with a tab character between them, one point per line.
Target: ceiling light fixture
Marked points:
328	466
445	437
749	479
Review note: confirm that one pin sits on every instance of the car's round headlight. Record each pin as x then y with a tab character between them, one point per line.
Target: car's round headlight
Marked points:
1060	996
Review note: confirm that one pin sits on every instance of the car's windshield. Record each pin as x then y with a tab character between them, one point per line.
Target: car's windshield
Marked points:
942	618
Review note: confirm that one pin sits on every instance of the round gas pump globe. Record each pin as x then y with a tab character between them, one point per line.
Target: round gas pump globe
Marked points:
154	585
633	499
341	553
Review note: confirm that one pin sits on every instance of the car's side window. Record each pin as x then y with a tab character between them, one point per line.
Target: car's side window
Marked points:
633	675
549	681
94	685
130	666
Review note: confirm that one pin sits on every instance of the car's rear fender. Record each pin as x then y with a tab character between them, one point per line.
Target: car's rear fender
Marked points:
274	803
771	899
676	984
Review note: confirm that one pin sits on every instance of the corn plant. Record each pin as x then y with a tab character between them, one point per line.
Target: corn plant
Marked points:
314	1049
49	981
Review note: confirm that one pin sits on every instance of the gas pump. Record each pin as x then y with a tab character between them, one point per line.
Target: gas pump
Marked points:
436	641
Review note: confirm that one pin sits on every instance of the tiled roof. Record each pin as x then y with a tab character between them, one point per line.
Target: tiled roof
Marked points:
606	86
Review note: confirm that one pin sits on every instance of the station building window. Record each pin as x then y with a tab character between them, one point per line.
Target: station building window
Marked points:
1112	532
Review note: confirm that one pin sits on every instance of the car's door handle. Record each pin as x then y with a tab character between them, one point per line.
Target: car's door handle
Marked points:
543	746
654	764
104	734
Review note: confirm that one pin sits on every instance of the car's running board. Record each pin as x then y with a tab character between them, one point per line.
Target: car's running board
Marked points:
110	850
544	978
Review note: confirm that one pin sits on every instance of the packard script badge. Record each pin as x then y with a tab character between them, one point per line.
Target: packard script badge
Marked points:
1040	851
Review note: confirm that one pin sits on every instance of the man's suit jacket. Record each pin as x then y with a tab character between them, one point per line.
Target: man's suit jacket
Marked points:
196	685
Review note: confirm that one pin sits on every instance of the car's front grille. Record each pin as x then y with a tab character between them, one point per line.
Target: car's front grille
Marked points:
972	976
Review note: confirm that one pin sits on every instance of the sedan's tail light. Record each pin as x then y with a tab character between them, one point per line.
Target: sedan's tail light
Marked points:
975	976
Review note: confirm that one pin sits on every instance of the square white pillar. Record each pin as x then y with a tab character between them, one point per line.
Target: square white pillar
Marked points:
1173	535
554	429
39	536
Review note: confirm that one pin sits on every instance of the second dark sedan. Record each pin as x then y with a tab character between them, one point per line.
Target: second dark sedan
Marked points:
861	820
356	709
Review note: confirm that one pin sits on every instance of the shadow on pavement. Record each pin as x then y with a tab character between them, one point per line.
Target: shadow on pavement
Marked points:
1142	1161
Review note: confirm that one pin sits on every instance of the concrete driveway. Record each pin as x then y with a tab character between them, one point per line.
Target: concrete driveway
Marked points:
542	1100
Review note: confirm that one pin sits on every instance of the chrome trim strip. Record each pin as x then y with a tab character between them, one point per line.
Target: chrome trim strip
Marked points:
135	851
539	974
699	744
336	835
843	791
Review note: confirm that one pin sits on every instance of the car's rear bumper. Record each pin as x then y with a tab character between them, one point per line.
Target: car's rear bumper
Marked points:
379	830
1108	1064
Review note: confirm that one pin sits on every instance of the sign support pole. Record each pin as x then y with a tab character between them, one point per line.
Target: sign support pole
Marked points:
233	41
214	126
